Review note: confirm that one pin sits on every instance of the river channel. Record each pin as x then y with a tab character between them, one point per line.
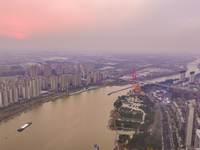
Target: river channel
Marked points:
71	123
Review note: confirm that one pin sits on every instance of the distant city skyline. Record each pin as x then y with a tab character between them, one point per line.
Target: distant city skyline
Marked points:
139	26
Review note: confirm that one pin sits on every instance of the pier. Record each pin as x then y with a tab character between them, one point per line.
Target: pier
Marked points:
120	90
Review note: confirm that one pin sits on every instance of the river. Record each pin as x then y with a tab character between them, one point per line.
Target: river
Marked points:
71	123
191	67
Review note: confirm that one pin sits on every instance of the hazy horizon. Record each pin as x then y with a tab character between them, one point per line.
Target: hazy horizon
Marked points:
139	26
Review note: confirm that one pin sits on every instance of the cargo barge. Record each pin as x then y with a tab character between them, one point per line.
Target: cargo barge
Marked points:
95	146
24	126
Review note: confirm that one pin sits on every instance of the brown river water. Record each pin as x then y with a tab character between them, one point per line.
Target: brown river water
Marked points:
71	123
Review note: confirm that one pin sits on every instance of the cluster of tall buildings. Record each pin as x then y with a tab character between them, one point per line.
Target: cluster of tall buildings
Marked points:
191	112
47	70
70	79
35	69
72	74
185	81
190	122
30	85
84	69
183	78
20	88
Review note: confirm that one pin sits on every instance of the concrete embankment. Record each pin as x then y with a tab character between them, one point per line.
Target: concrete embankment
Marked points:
120	90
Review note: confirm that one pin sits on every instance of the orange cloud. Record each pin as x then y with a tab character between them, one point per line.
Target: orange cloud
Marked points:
24	18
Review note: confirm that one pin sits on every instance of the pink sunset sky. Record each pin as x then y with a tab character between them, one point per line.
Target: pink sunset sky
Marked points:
130	26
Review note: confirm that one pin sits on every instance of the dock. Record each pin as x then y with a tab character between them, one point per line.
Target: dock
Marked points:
120	90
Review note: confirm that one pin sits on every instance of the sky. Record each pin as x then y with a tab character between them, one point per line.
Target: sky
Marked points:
122	26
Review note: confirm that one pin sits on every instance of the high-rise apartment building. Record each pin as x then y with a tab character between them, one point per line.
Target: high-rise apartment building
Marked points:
89	79
27	71
44	83
72	69
33	70
82	67
88	67
47	70
62	80
24	91
20	85
27	92
66	70
59	69
2	84
5	98
76	79
191	77
97	76
10	96
38	80
33	88
33	84
92	74
77	68
79	82
182	76
53	82
1	99
190	124
83	74
15	96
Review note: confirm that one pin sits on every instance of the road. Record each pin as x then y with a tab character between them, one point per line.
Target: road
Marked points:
164	133
164	142
170	132
170	135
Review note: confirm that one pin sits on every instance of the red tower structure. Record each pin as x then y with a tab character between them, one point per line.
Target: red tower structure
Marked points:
133	75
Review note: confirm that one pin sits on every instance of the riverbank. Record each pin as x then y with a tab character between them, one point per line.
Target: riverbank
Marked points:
16	109
111	122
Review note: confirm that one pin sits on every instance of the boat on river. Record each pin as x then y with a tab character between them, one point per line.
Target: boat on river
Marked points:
95	146
24	126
